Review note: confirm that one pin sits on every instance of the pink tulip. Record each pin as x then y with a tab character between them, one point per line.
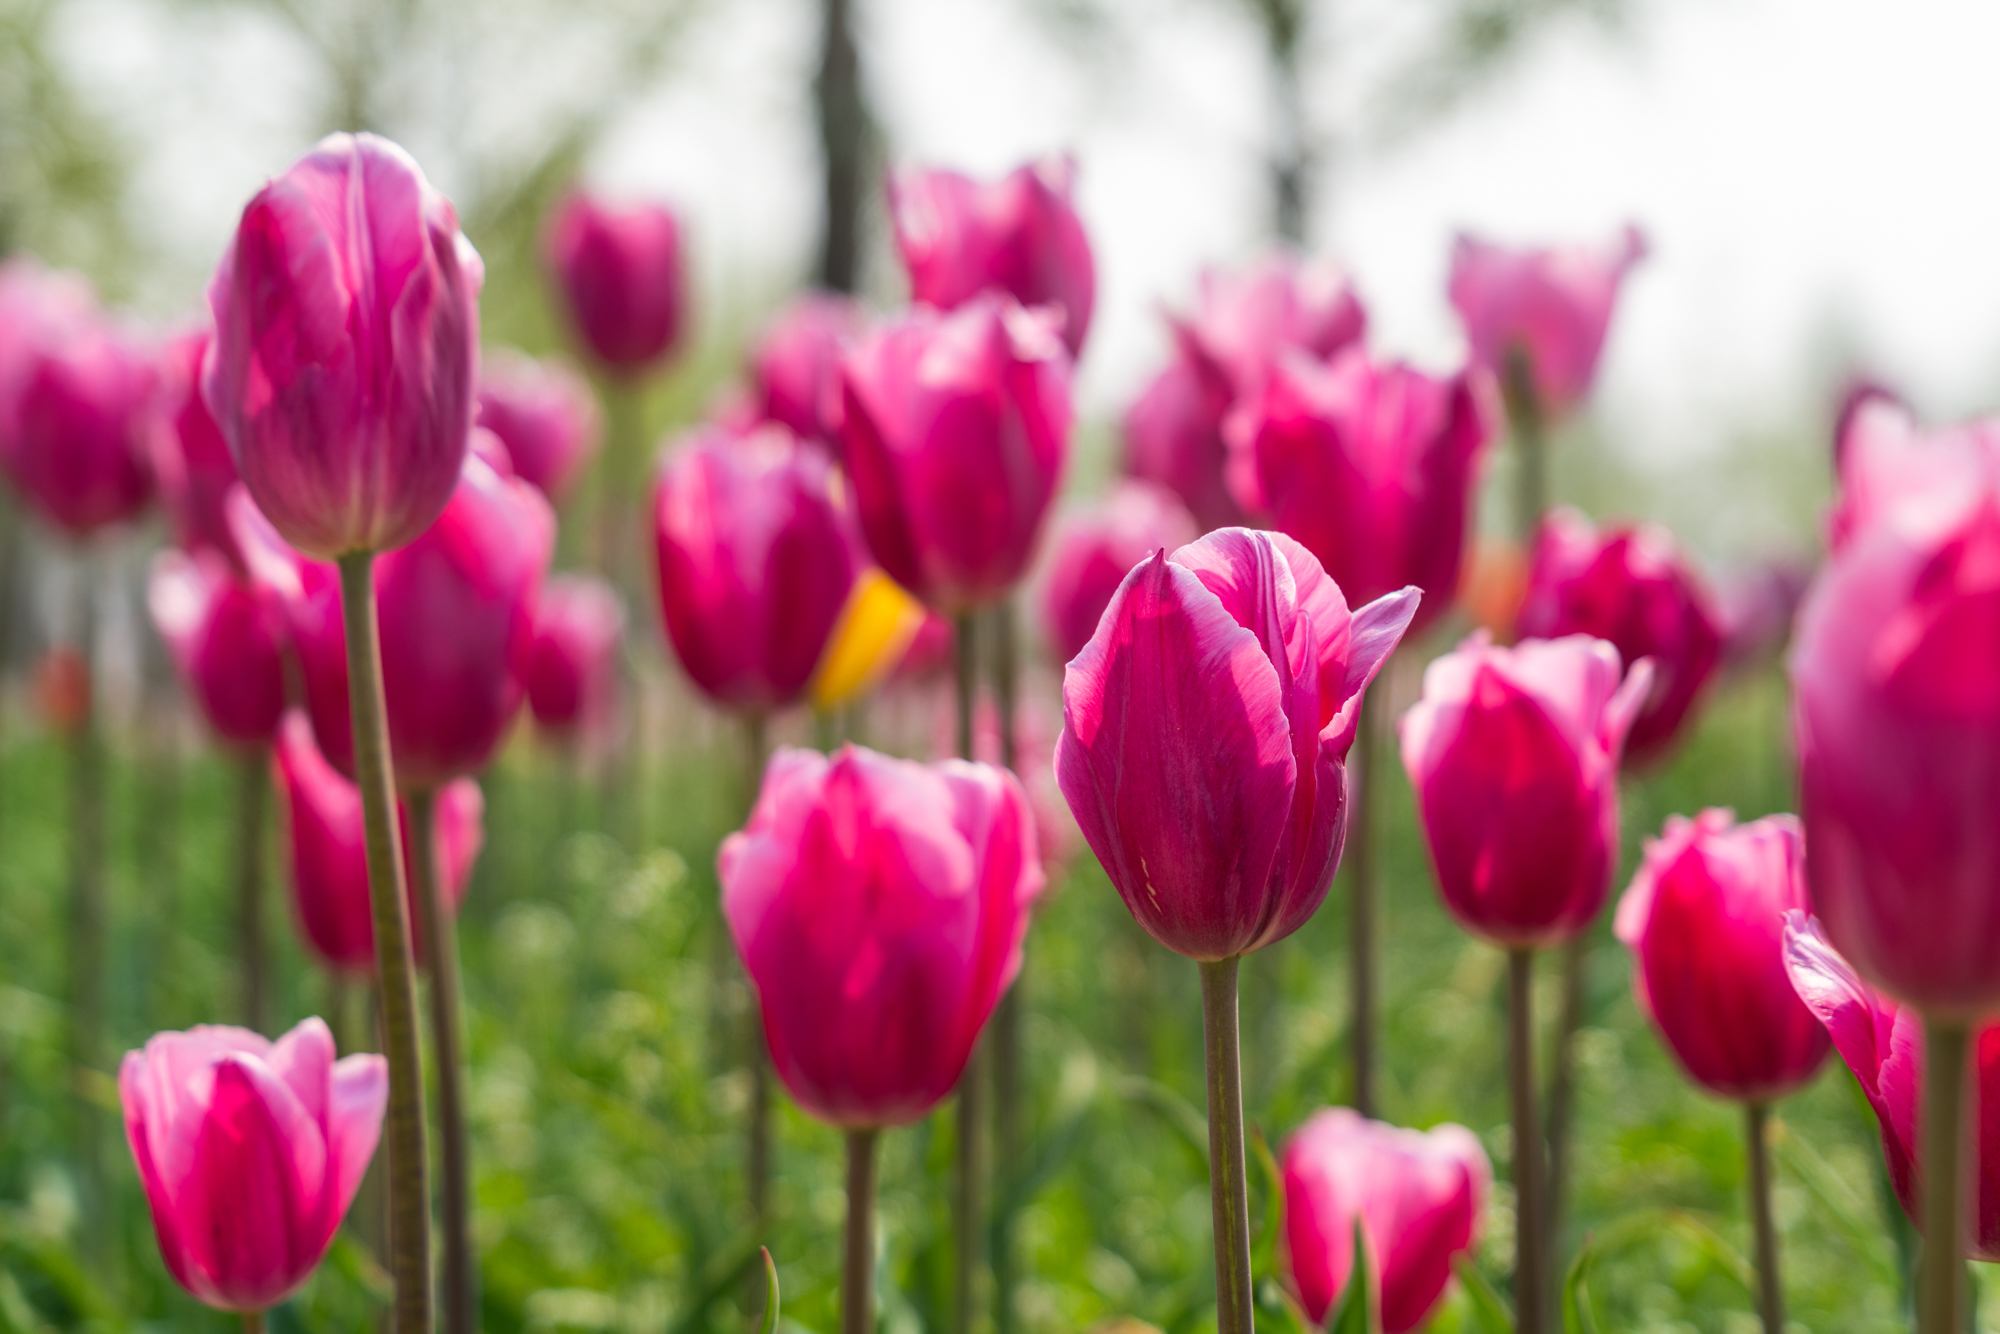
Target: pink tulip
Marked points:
328	858
191	460
227	639
1549	307
573	667
879	906
1705	921
250	1152
1173	438
1888	460
757	554
1418	1196
1883	1044
456	610
1243	321
1632	586
956	428
622	276
1513	753
346	344
1020	235
1205	735
795	369
1859	392
544	416
1372	467
1092	551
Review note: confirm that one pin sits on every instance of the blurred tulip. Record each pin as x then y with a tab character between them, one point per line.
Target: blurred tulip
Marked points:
1888	460
63	690
879	906
931	652
250	1152
1513	753
1631	586
346	345
757	555
191	460
1494	584
227	640
1418	1195
1705	921
1755	607
1020	235
795	369
1856	394
956	430
456	610
621	275
543	415
1173	438
1093	549
1371	467
573	668
871	639
1550	307
1205	735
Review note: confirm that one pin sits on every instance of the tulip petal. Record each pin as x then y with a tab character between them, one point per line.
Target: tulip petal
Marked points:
358	1097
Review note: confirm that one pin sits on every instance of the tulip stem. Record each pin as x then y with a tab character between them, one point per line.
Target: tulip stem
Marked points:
1941	1147
969	1165
253	781
758	1150
1530	1265
87	909
1361	853
1228	1178
409	1193
1562	1085
460	1296
1009	1073
253	1322
1524	417
857	1277
1770	1287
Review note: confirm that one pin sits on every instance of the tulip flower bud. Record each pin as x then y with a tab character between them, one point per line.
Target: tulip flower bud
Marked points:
795	370
227	638
1371	467
956	428
1513	753
1095	547
191	460
544	416
250	1152
1205	734
1704	918
879	906
1634	588
1173	438
622	278
573	667
346	344
1418	1196
1019	235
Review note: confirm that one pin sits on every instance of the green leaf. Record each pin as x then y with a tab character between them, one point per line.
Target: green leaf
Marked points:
1264	1255
1577	1315
1487	1306
770	1292
1188	1124
1357	1314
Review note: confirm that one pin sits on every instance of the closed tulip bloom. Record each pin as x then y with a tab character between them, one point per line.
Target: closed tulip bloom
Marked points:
1513	753
1704	918
1244	320
250	1152
795	369
545	417
1371	466
1883	1044
757	554
1205	734
191	459
621	274
1549	307
1631	586
1095	547
227	639
879	907
1173	438
346	345
1418	1196
573	667
1020	235
1887	459
327	859
956	429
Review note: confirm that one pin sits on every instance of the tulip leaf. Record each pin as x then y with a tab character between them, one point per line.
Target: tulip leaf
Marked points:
1264	1255
1577	1316
1188	1125
729	1268
770	1324
1356	1313
1488	1308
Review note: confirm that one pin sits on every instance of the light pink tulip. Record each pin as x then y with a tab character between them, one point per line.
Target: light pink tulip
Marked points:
1888	460
545	417
227	638
191	461
573	667
1093	549
621	273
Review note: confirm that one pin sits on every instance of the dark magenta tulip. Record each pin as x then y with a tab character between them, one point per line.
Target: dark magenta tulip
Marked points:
1173	438
879	906
191	459
346	345
227	639
1094	547
573	668
544	416
795	369
621	274
1205	734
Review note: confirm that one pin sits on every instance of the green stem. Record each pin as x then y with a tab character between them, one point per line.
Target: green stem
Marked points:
1562	1086
1770	1286
253	1322
459	1297
409	1247
758	1149
857	1275
1525	420
1530	1265
1228	1178
253	781
1941	1146
969	1163
1361	854
1009	1072
88	911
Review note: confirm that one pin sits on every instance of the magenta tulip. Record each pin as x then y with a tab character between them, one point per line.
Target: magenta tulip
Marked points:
543	415
1020	235
757	554
1095	547
1888	460
573	667
795	369
191	459
1632	586
1513	753
1418	1196
250	1152
227	638
346	344
879	906
1173	438
956	428
622	277
1705	921
1205	734
1549	308
1372	467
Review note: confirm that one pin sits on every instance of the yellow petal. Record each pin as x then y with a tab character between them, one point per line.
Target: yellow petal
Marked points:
874	631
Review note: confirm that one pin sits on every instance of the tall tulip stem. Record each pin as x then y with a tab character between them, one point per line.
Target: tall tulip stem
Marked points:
1228	1178
254	780
857	1275
1562	1084
1009	1074
460	1295
253	1322
757	1152
1531	1274
969	1165
88	909
1525	423
1770	1286
409	1194
1941	1149
1363	885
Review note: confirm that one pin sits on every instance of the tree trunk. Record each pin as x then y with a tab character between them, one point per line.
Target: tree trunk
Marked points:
845	131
